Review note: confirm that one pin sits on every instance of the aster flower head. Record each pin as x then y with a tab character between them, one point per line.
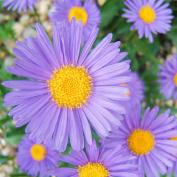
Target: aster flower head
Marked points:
135	92
86	12
148	17
168	78
36	159
19	5
148	139
68	91
98	162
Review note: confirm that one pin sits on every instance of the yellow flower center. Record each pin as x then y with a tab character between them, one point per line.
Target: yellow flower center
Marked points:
70	86
175	79
147	14
38	152
93	170
79	13
141	142
174	138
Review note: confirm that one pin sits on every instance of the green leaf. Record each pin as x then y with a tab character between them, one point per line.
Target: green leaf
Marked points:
3	159
110	10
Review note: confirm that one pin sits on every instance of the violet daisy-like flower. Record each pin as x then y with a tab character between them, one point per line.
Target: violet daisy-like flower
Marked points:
148	17
135	92
86	12
36	159
148	139
98	162
19	5
168	78
70	89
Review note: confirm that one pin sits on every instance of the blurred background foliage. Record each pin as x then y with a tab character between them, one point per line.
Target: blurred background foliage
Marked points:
145	59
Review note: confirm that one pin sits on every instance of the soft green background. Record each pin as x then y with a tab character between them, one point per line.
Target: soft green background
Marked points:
145	59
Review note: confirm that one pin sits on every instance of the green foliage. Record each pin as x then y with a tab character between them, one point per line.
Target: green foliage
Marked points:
6	31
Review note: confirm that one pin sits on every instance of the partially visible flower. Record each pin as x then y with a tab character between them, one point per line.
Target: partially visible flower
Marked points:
135	91
70	89
148	17
35	158
86	12
19	5
98	162
168	78
148	139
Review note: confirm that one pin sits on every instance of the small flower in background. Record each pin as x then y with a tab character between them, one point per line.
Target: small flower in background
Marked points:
86	12
19	5
135	92
168	78
148	17
70	92
148	139
35	158
98	162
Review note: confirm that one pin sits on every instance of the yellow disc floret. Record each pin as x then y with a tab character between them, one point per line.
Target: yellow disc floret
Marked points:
38	152
79	13
141	142
147	14
93	170
70	86
174	138
175	79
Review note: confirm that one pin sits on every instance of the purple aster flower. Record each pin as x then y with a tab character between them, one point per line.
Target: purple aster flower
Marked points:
19	5
86	12
168	78
135	92
148	139
70	89
35	158
98	162
148	17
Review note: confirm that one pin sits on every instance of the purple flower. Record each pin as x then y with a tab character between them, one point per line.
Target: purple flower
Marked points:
135	92
168	78
98	162
70	89
148	17
19	5
35	158
86	12
148	139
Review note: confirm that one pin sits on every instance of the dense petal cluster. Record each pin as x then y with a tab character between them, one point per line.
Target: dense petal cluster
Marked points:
148	139
35	158
19	5
86	12
98	162
70	89
148	17
168	78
